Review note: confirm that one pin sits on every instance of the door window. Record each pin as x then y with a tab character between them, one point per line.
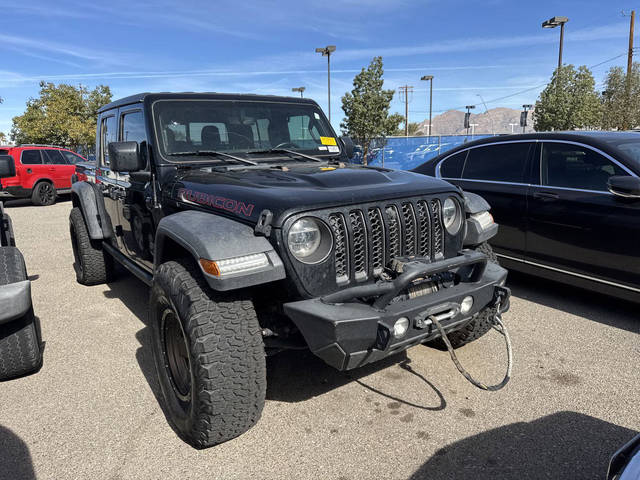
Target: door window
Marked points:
53	157
132	126
505	162
31	157
108	134
452	166
72	158
573	166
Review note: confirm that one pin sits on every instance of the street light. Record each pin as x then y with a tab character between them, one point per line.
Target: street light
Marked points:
430	79
326	52
467	116
513	125
523	116
553	23
299	89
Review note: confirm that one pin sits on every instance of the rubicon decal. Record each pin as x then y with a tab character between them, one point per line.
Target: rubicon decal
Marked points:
215	201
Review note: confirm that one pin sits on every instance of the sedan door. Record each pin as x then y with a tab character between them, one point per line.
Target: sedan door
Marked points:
575	224
498	172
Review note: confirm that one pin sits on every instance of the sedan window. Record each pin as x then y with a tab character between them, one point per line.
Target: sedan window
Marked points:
572	166
503	162
452	166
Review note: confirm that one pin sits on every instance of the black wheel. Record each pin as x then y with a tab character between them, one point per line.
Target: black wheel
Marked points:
20	340
480	324
44	193
209	356
92	264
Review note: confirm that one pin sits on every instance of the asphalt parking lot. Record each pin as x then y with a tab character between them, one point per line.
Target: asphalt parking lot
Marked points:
93	412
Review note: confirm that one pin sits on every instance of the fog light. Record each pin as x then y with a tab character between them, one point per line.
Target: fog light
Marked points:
466	305
400	327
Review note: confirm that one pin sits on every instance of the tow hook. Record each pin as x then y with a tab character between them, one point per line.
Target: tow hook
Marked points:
501	298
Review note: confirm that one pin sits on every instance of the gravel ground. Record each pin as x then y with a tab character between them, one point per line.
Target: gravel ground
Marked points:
93	412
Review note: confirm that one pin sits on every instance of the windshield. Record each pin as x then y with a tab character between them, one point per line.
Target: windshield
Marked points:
240	127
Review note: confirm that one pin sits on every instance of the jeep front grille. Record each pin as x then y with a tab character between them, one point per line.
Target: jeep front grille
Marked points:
367	240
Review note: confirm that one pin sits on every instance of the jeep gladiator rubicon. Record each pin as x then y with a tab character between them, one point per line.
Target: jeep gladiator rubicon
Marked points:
242	214
20	345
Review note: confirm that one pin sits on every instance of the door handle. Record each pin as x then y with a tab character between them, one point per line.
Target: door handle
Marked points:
546	196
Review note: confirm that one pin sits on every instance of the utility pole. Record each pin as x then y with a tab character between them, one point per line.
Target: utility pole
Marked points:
627	115
326	52
430	79
406	90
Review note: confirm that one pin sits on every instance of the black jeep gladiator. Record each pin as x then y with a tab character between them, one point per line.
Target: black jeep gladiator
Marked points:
255	234
20	344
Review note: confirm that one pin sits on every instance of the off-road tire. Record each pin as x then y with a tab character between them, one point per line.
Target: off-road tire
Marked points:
43	194
93	265
222	340
480	324
20	344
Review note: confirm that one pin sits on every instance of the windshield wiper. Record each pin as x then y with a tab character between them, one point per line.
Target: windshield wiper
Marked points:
207	153
290	152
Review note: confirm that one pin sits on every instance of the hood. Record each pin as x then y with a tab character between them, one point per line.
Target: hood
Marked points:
245	193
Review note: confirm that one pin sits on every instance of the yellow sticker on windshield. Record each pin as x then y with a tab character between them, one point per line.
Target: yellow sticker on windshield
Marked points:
328	141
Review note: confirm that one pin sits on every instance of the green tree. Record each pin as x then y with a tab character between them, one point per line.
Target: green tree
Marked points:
569	101
414	129
621	108
366	108
62	115
3	138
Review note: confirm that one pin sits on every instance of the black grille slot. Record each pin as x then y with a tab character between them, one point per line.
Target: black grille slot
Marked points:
395	236
424	221
376	240
341	247
437	228
409	229
359	244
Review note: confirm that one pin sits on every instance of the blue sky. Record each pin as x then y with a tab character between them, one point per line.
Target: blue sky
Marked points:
493	48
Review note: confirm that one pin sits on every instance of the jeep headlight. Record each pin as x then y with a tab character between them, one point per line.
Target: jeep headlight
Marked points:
309	240
451	216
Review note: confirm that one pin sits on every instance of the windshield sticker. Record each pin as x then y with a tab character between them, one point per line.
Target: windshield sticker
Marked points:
315	114
328	141
320	147
229	204
333	149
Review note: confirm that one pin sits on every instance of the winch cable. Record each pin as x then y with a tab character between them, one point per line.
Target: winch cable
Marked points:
499	326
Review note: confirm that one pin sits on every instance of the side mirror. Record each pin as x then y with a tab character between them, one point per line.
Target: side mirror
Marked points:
125	157
7	166
624	186
348	145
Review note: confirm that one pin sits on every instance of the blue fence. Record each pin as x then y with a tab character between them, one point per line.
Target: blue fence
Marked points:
405	153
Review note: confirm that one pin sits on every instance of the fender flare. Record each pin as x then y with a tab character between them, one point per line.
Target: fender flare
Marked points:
87	196
474	203
476	232
213	237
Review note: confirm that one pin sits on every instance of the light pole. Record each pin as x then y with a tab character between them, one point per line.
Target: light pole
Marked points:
523	116
299	89
467	117
512	125
430	78
326	52
553	23
473	128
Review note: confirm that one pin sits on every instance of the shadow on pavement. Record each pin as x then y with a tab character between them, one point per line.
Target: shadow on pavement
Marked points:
563	445
10	202
15	459
292	376
591	305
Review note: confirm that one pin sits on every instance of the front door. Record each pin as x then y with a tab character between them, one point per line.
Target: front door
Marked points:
575	223
60	168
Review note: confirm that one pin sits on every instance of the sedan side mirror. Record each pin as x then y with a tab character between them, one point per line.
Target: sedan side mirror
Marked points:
624	186
348	145
7	166
125	157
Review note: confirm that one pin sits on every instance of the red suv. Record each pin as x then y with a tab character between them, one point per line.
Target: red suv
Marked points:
42	172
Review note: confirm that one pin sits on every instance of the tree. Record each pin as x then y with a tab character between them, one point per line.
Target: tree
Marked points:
414	129
569	101
366	108
3	138
621	109
62	115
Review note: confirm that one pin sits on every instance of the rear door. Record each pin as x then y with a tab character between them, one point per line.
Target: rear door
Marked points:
575	223
499	173
33	168
59	167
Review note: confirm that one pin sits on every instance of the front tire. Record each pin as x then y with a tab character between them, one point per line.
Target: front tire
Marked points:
93	265
209	356
44	194
20	340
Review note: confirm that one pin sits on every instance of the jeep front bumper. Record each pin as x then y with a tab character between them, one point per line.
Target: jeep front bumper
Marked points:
347	332
15	300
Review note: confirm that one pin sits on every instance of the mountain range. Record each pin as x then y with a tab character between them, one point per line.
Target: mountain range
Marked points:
496	120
